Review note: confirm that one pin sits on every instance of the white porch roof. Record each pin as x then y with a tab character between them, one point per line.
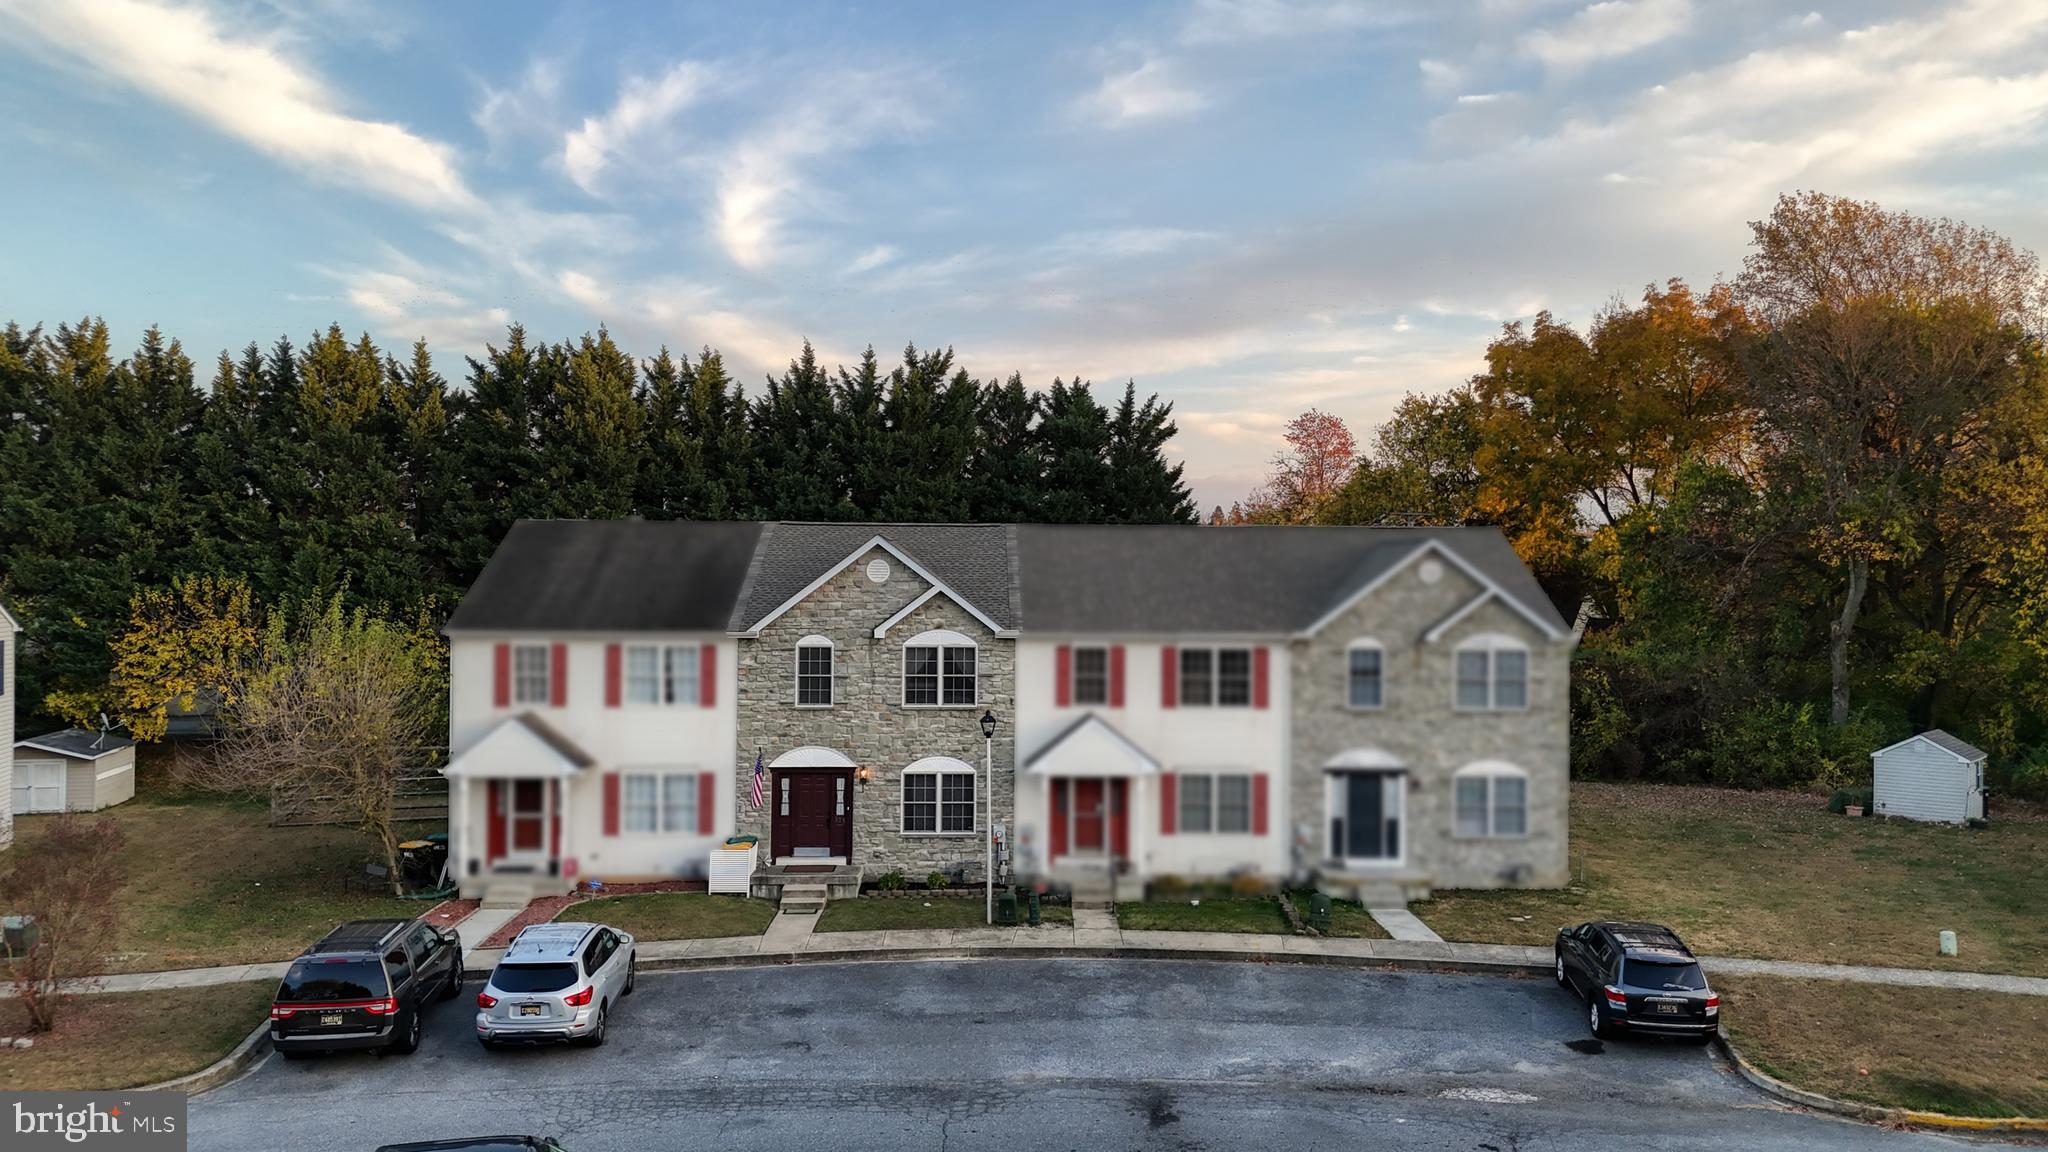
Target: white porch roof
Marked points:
1091	747
522	747
1367	758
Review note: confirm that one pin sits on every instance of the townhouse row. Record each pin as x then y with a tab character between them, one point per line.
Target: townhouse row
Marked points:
1376	706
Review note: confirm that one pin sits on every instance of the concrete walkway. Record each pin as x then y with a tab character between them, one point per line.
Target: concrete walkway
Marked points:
787	932
1082	940
480	925
1402	924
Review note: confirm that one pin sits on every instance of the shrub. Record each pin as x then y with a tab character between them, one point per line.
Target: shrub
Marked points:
66	881
1844	797
936	880
891	882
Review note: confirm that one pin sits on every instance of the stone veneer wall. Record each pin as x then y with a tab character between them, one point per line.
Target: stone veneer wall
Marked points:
867	720
1418	724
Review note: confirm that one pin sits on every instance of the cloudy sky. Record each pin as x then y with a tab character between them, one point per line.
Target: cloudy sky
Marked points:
1251	208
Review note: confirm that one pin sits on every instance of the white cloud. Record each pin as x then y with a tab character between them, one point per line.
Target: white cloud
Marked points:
1609	28
643	106
1440	76
1151	91
871	259
1235	21
248	88
523	110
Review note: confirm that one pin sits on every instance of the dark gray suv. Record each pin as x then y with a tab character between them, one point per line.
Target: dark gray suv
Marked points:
1637	978
364	985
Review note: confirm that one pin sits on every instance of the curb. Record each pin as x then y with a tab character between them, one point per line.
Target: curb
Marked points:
1869	1113
1076	952
246	1055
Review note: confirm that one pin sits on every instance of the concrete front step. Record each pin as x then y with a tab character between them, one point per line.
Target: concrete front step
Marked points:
804	898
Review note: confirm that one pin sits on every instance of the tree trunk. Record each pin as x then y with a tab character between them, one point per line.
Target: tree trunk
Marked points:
1838	639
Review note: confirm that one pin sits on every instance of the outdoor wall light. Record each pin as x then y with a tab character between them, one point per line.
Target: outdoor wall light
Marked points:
862	775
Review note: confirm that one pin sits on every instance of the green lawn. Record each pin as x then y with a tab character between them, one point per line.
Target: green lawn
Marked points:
1205	914
876	914
676	915
1930	1049
211	882
125	1039
1776	875
1347	917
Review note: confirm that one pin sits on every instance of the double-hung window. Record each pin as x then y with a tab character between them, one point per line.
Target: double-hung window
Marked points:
1365	675
1216	677
938	797
1091	676
530	674
652	802
1219	802
1492	800
661	673
1492	675
939	670
814	672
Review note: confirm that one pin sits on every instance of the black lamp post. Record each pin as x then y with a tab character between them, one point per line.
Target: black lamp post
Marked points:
988	834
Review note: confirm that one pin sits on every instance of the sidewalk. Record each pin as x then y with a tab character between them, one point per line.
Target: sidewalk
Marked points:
1113	942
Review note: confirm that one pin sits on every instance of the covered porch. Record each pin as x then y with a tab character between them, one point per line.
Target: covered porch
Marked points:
1093	785
513	796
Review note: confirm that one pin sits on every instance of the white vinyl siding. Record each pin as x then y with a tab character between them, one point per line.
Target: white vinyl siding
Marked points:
1920	781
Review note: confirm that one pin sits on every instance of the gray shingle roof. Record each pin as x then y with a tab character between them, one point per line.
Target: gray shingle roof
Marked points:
79	743
1167	578
599	575
1963	748
976	561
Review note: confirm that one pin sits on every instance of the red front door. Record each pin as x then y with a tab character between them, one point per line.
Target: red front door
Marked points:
1090	818
813	812
528	815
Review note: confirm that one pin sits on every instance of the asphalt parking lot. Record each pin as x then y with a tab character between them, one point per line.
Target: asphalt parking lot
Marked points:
1095	1054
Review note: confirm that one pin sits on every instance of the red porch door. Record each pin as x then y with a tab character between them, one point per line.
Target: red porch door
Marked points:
813	813
1090	818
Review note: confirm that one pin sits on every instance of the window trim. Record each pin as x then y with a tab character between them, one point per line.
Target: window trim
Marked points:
938	767
1492	772
831	671
1490	644
665	694
661	778
1367	644
941	639
1214	781
1215	678
547	675
1074	675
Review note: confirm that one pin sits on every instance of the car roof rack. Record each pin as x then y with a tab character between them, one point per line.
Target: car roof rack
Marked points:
1653	937
358	935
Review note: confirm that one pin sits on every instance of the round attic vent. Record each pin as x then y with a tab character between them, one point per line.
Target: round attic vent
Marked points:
1431	571
878	570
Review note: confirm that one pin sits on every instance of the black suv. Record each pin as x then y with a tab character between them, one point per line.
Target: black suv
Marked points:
1637	978
364	985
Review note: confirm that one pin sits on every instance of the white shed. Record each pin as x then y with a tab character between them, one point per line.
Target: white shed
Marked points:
1932	776
75	770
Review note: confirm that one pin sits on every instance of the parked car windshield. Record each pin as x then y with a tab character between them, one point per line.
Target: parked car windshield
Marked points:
1684	977
533	977
324	980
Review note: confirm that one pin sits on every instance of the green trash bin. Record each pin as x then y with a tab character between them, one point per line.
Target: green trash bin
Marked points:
1006	908
1319	912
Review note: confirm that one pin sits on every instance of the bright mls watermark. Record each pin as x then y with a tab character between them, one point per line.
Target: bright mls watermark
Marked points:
133	1121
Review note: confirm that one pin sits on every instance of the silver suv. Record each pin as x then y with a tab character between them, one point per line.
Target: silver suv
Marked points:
556	982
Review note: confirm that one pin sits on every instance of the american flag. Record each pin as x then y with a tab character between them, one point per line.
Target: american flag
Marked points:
758	774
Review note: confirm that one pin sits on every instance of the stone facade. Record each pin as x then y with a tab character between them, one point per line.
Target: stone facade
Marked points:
1419	726
868	721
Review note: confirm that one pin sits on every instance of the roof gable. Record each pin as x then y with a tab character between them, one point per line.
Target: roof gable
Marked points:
521	747
1959	748
972	563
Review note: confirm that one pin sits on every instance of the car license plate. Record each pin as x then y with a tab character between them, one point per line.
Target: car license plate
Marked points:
330	1019
1668	1009
529	1009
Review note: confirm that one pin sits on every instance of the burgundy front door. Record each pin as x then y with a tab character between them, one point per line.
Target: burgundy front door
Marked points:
814	812
1088	817
528	814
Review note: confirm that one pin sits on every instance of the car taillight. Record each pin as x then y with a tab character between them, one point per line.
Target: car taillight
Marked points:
1713	1003
1616	998
384	1007
280	1012
578	999
486	1000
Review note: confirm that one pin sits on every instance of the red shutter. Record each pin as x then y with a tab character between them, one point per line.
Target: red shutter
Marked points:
1169	677
611	803
1063	676
611	675
1262	672
555	819
558	675
1168	801
501	678
1059	818
707	800
707	677
1259	804
494	822
1116	676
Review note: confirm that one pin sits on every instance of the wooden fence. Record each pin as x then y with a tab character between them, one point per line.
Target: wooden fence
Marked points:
420	796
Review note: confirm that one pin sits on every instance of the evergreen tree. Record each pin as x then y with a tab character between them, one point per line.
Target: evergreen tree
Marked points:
664	394
591	447
1075	438
1144	488
861	436
428	480
930	413
496	444
716	464
1007	475
798	473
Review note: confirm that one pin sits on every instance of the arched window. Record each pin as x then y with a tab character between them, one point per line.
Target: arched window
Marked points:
938	797
1492	800
1492	674
939	671
1365	670
814	672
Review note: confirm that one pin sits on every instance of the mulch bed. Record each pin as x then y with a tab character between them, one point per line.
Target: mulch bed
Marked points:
547	908
449	913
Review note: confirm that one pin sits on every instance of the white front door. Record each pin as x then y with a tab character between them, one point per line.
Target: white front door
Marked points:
38	786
